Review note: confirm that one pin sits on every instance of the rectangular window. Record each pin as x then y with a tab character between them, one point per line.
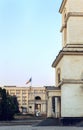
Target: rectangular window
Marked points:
58	77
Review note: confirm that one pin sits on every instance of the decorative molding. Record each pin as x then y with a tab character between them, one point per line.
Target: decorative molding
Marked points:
62	6
71	14
75	45
66	51
72	81
60	55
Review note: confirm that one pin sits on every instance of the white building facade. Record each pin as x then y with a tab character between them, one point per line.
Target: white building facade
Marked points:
69	62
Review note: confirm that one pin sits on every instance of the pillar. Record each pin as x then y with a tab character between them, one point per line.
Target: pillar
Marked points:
49	107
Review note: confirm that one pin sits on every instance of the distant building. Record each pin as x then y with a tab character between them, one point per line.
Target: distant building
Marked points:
31	99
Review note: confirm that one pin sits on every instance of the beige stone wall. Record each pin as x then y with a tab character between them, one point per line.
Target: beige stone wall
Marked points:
72	22
72	100
72	6
69	63
59	66
75	30
35	92
75	5
71	67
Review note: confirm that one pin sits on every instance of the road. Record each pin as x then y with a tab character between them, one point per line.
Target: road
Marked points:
26	127
19	122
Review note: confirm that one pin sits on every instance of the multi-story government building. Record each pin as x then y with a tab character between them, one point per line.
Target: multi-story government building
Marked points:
30	99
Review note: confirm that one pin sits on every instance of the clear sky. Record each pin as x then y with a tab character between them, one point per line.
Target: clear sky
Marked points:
30	40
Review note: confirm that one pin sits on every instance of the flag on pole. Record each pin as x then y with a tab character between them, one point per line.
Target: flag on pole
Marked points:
29	81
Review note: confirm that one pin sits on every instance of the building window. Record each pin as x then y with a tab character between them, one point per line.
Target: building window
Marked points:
24	103
23	91
64	16
30	107
58	75
17	91
37	98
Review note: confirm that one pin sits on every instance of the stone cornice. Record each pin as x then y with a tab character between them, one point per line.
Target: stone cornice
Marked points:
66	51
71	14
55	90
56	93
62	6
60	55
75	45
71	81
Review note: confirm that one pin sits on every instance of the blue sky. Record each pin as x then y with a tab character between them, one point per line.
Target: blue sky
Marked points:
30	39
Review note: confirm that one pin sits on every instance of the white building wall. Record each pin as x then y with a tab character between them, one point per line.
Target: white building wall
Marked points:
71	94
57	67
71	67
75	5
72	100
75	36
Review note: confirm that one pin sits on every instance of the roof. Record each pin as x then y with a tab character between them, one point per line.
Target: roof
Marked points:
68	50
9	86
62	6
52	88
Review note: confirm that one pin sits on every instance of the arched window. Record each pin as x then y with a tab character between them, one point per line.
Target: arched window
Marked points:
65	26
37	98
64	14
58	75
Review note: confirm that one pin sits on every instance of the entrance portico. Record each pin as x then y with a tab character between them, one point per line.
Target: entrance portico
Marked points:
53	102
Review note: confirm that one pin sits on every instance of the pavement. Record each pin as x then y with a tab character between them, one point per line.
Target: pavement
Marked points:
37	122
49	122
19	122
24	127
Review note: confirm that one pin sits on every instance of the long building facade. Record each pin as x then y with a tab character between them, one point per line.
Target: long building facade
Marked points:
31	100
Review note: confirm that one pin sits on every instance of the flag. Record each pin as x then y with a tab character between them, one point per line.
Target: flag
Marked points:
29	81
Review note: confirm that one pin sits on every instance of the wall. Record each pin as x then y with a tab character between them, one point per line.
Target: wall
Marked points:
71	67
72	100
75	30
75	5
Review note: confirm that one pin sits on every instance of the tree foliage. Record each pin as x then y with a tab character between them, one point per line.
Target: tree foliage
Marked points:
8	105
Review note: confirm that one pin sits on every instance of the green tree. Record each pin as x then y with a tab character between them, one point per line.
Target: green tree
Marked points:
12	108
8	105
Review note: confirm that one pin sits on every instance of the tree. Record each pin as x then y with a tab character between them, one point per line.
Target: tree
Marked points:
8	105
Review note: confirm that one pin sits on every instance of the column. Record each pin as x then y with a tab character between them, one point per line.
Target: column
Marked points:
57	107
49	107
